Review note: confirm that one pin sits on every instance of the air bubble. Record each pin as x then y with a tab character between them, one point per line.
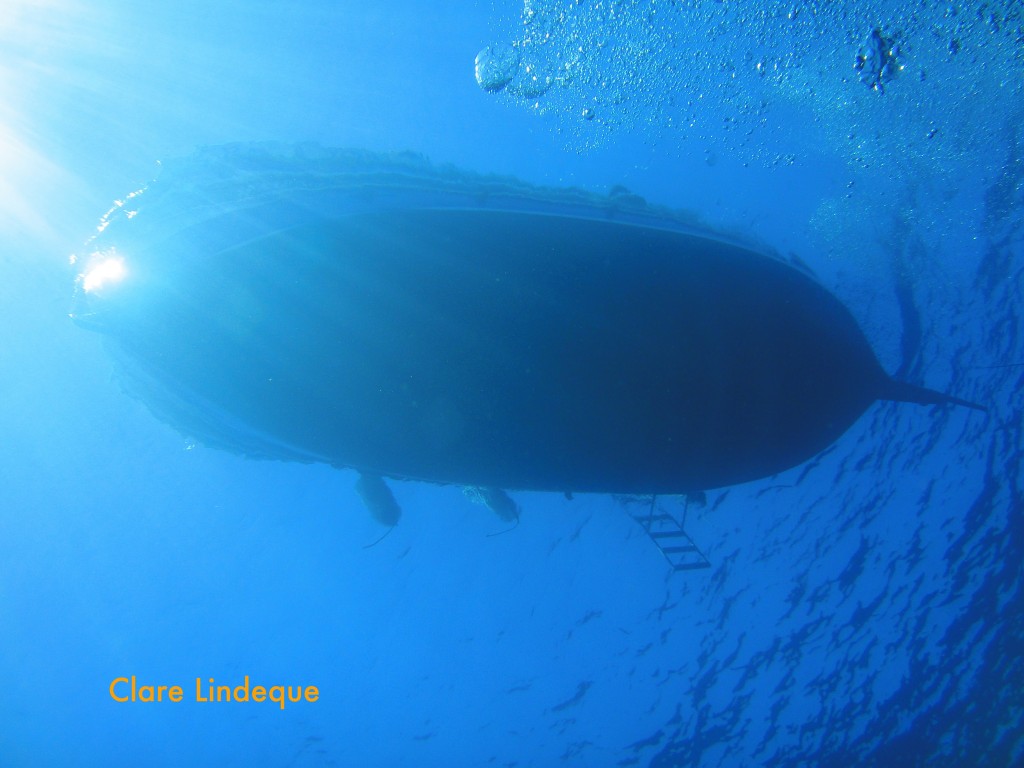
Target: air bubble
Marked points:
496	65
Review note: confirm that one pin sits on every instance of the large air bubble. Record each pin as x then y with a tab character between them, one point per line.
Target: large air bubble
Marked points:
496	65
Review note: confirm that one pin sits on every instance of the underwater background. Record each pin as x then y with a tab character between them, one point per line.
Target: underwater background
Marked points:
865	608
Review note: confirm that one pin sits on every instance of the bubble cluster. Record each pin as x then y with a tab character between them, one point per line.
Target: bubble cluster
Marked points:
736	76
878	60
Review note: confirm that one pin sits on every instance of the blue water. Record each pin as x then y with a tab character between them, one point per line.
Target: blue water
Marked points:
865	608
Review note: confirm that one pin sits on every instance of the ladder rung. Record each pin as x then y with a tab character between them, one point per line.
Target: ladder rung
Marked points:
649	518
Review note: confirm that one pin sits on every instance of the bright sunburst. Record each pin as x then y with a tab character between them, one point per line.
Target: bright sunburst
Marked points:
36	38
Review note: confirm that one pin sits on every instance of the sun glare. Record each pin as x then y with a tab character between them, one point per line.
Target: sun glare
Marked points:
30	31
105	268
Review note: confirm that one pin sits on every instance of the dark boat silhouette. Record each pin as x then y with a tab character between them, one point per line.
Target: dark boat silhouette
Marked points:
417	322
